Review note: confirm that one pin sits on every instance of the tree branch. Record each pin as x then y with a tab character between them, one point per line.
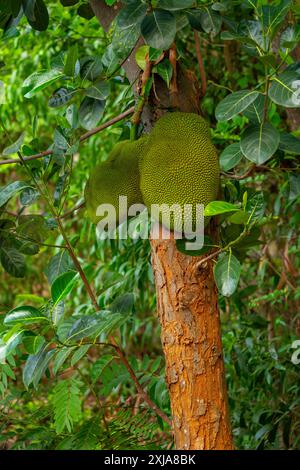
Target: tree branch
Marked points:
82	138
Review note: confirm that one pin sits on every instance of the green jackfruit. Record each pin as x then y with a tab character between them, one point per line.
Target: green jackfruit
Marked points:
118	176
179	166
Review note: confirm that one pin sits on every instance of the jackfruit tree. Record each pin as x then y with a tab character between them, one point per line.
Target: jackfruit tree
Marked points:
188	105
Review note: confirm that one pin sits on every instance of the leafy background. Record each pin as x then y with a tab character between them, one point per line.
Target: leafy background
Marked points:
62	383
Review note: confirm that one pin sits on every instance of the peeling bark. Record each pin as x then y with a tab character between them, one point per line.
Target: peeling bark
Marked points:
191	337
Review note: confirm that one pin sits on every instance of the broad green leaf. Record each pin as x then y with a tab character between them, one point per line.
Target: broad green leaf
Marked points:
140	56
28	196
37	16
99	366
79	353
59	264
33	343
133	13
60	357
70	64
175	4
94	325
285	89
259	143
90	112
36	365
289	143
63	285
61	96
40	80
91	68
85	11
255	111
210	21
234	104
255	207
227	274
10	343
15	147
123	304
159	29
12	261
165	70
24	315
10	190
239	217
219	207
230	156
273	16
99	90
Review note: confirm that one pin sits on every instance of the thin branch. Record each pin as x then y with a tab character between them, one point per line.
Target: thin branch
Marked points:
200	63
82	138
240	177
71	211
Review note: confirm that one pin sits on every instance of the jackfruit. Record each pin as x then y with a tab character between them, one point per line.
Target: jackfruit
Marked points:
118	176
179	166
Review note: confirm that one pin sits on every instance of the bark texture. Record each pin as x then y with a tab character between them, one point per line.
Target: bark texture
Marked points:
187	303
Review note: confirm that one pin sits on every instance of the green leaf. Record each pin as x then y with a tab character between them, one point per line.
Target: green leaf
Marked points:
219	207
123	304
289	143
85	11
94	325
59	264
285	89
33	343
131	14
255	111
91	68
273	16
227	274
99	90
159	29
12	261
210	21
140	56
25	315
35	366
259	143
9	344
15	147
66	404
239	217
10	190
165	71
72	57
61	96
90	112
230	156
28	196
40	80
175	4
37	16
99	366
63	285
234	104
255	207
61	357
79	353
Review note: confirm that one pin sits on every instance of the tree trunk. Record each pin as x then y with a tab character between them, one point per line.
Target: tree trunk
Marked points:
187	305
191	337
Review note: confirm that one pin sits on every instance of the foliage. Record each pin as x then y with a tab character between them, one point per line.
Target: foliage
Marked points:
68	80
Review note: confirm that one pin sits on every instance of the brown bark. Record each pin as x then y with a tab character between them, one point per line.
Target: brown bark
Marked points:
187	304
187	307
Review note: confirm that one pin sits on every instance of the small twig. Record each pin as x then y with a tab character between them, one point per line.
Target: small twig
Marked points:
240	177
173	84
143	95
200	63
71	211
82	138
